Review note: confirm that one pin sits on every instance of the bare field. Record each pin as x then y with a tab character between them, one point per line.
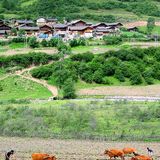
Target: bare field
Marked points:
152	90
69	149
27	50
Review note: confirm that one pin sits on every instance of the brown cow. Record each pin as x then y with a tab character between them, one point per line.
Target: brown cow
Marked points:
141	157
114	153
42	156
129	150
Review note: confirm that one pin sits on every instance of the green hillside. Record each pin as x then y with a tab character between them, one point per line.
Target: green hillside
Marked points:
102	10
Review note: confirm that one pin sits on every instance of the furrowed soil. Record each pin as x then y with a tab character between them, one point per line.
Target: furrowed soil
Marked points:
69	149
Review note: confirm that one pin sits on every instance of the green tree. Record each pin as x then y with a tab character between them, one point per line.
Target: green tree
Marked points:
150	25
68	89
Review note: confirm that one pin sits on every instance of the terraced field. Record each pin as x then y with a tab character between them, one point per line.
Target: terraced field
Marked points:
69	149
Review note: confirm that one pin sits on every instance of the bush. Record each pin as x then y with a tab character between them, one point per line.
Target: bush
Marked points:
136	78
106	80
119	75
42	72
54	42
112	40
98	76
33	43
44	43
85	57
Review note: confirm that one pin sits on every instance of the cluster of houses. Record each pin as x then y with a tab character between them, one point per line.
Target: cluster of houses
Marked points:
48	28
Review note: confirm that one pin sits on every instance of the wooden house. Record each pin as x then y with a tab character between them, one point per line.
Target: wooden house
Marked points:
46	30
81	31
30	30
60	30
5	29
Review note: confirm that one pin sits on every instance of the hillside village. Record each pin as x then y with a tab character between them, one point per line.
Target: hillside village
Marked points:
49	28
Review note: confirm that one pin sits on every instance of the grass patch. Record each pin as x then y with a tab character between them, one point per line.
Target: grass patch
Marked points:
156	29
80	119
18	88
16	45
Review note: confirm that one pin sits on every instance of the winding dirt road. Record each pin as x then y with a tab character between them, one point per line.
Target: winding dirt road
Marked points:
25	73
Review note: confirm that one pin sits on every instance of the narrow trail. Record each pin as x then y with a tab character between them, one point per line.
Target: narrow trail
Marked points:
25	73
6	76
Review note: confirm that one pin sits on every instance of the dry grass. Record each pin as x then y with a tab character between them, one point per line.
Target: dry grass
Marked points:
152	90
68	149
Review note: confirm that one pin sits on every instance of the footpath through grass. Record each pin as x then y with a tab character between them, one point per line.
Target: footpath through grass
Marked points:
15	87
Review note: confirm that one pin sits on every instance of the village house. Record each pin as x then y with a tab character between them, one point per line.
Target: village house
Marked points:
4	29
46	21
29	30
61	30
101	29
80	31
45	31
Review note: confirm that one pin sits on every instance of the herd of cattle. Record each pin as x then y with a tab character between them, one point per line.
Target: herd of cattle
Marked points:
111	153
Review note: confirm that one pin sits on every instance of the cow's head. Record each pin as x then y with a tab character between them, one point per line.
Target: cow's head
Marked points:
106	151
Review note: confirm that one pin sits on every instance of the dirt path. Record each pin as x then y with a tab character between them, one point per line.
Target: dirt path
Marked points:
70	149
25	73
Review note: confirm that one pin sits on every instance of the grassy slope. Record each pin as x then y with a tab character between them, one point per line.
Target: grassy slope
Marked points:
156	29
17	88
115	120
120	14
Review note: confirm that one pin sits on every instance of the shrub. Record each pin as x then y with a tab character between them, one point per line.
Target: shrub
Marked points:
42	72
44	43
136	78
85	57
119	75
98	76
33	43
106	80
54	42
112	40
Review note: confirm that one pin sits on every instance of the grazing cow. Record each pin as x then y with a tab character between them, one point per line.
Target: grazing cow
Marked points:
129	150
141	157
114	153
42	156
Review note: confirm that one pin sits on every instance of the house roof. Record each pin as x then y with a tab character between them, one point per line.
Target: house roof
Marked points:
96	25
60	25
114	24
79	20
26	28
25	21
78	28
103	29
